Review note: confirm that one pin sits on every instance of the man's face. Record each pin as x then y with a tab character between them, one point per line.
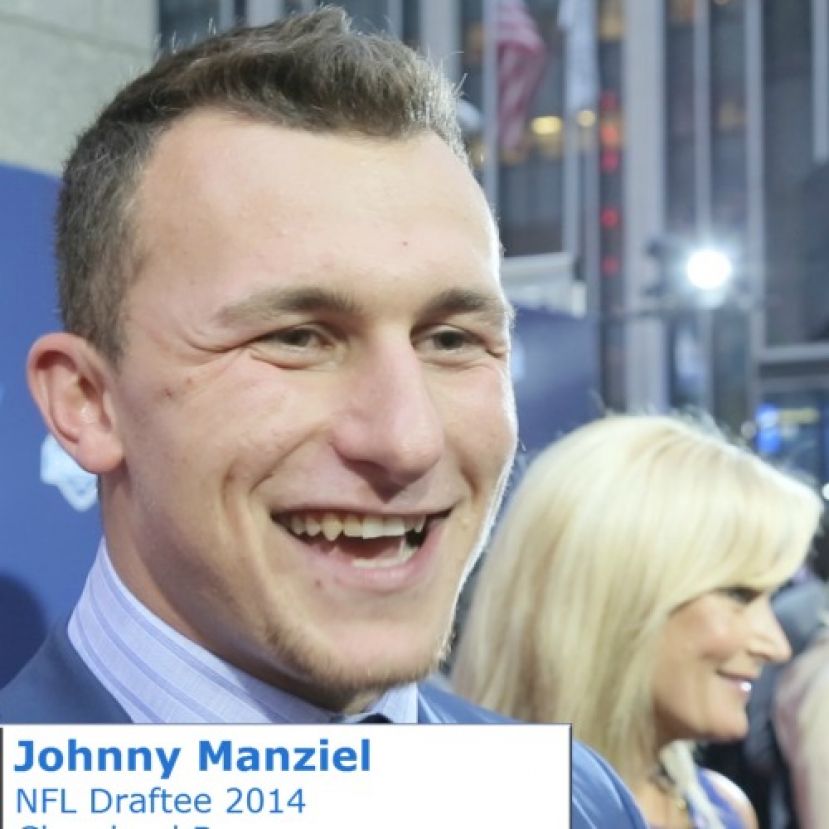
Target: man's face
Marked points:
314	401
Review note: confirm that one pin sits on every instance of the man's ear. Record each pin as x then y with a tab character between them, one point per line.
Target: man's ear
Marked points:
69	381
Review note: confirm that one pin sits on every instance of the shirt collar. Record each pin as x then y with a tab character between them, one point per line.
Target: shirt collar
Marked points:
134	654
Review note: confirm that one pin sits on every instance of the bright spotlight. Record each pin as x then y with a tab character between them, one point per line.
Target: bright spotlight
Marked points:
708	269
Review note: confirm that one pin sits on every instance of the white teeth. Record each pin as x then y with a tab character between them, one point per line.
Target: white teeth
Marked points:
353	526
373	527
331	526
414	523
393	526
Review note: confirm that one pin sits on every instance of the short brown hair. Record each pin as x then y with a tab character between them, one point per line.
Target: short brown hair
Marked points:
311	72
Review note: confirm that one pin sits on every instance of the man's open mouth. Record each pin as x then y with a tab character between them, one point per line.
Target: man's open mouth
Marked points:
368	541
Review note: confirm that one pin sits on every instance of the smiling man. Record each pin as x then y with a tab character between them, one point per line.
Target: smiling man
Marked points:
286	359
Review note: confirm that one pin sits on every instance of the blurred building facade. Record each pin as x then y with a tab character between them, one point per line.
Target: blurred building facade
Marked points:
613	137
60	62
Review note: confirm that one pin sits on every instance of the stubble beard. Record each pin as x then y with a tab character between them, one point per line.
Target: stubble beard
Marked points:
324	678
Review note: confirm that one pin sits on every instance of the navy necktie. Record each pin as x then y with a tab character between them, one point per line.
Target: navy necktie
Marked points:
374	719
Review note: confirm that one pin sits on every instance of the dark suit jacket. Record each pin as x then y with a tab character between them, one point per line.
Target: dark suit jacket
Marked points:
57	687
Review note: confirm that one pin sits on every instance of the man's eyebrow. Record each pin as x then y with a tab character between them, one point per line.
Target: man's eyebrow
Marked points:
267	305
493	307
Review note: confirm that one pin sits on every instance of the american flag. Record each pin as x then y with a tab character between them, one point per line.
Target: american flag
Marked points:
522	57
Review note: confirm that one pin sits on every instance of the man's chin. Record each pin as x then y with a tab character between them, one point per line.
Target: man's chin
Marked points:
354	686
349	682
345	667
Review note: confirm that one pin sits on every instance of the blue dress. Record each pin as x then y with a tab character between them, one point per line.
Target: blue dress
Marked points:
728	815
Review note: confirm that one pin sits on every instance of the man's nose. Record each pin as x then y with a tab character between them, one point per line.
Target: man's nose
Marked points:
769	642
389	424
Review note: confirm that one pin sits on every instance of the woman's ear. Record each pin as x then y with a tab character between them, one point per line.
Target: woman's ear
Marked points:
70	382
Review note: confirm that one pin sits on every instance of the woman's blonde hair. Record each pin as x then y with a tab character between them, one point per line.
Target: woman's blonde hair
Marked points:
610	530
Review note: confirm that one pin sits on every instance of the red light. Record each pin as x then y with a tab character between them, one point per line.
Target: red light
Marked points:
608	100
610	265
610	135
610	161
609	217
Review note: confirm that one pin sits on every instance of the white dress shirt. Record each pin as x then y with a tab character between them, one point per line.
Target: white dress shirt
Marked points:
159	676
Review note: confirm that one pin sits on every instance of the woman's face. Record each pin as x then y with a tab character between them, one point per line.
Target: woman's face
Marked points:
711	651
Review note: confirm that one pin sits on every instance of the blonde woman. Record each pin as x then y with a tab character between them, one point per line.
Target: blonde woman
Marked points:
626	591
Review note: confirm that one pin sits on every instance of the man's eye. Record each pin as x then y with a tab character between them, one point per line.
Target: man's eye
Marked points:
451	339
741	595
450	345
295	337
301	346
